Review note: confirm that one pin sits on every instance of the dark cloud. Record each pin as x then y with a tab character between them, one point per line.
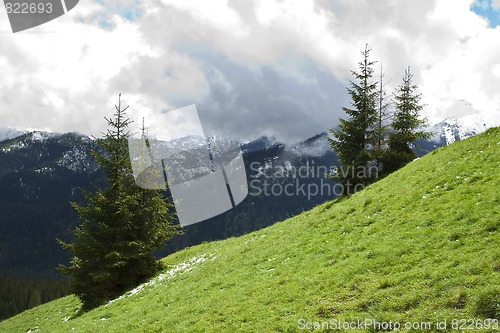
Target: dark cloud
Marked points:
246	104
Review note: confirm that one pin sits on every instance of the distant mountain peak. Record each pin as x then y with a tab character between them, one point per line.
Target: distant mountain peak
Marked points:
459	128
262	143
42	136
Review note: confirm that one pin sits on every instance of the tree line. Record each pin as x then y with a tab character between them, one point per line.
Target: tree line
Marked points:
371	141
21	293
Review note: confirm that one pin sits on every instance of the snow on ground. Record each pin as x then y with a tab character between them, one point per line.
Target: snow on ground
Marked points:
183	267
43	136
77	160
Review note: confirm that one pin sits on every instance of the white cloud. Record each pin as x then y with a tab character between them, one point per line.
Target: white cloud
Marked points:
252	67
61	80
216	13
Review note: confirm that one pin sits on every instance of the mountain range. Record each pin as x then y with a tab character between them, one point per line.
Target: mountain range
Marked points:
414	251
40	173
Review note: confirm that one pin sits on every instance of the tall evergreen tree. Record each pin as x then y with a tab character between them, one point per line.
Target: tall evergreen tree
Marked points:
355	139
407	126
121	225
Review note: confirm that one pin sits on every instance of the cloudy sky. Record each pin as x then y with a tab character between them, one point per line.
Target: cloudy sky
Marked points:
251	67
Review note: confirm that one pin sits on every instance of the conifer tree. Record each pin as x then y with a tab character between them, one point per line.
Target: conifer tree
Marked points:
121	225
355	139
407	126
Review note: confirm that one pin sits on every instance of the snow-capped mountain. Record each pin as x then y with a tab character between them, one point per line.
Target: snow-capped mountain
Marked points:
456	129
46	151
262	143
316	146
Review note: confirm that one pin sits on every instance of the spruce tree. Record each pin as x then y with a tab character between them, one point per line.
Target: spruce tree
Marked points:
407	126
121	225
355	139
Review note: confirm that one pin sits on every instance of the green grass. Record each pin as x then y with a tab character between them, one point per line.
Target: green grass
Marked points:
422	245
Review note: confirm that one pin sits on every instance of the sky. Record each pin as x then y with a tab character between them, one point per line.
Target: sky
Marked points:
252	67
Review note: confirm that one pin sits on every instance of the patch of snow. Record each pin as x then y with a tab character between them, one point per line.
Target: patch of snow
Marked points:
315	148
182	267
44	170
77	160
185	266
263	143
38	136
21	144
35	136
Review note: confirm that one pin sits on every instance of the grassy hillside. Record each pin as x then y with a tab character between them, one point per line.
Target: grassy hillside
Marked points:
422	245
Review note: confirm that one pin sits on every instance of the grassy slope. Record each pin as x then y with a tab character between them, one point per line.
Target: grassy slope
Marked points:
421	245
